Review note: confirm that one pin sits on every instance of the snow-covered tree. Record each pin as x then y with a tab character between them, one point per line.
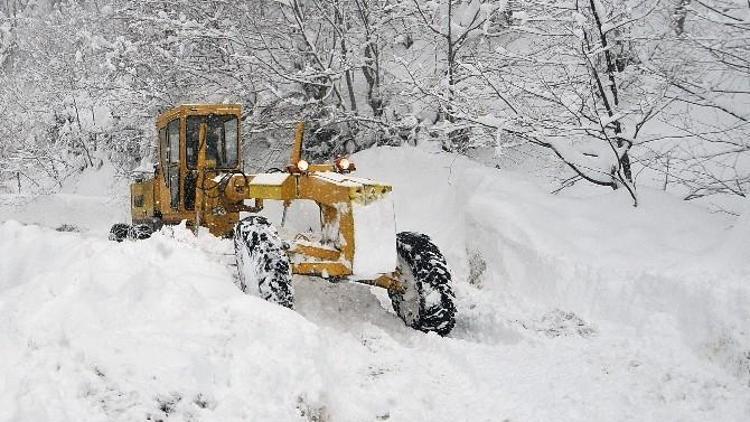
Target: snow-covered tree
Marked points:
608	87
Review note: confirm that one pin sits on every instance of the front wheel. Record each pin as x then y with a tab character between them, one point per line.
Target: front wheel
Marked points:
262	260
427	300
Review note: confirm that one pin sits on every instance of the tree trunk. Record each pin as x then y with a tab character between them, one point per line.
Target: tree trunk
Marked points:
348	72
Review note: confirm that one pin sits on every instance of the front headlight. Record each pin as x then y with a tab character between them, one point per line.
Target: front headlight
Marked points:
343	165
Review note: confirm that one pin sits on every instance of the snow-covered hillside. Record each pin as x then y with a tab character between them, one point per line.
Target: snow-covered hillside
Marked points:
575	307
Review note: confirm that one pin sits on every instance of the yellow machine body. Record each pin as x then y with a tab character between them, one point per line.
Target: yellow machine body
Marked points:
199	179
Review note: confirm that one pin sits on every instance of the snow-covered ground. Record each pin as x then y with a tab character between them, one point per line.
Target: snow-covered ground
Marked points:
576	307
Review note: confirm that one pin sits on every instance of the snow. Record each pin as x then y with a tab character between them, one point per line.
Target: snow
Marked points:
374	238
92	202
577	307
269	179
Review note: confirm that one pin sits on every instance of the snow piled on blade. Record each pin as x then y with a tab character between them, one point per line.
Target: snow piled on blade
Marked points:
571	307
374	238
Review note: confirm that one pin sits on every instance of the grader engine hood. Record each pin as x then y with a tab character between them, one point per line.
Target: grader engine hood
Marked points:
374	224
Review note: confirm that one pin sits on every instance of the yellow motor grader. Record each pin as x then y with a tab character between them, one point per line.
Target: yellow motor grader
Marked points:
199	179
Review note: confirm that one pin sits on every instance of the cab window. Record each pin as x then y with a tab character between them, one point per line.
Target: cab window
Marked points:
193	133
231	137
174	141
221	140
173	170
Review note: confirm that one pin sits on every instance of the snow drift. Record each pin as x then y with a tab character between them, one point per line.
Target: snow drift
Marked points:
571	307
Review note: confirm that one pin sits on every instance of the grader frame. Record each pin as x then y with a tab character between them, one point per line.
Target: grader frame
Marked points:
199	179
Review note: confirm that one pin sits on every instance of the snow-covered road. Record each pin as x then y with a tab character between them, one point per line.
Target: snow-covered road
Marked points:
572	309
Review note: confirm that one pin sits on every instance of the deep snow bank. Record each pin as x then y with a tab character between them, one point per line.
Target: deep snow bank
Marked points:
666	265
95	330
578	309
114	331
91	201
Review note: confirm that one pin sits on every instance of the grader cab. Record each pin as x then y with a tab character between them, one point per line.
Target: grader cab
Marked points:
199	179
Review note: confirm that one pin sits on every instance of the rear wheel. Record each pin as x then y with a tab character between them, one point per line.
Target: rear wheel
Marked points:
140	231
122	231
262	260
427	300
119	232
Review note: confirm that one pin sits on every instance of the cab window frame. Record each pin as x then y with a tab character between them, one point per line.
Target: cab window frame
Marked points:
163	147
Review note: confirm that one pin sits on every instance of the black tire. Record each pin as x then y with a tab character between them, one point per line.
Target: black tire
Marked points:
140	231
427	301
262	260
119	232
122	231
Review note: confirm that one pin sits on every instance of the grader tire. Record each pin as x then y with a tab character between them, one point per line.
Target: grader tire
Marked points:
119	232
427	301
140	231
262	260
122	231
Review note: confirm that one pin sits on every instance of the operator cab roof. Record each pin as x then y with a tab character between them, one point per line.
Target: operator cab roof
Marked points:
197	109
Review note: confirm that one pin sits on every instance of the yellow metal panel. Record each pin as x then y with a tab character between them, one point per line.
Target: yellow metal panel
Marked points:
322	191
286	190
321	167
332	269
142	200
299	135
389	283
197	109
316	252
